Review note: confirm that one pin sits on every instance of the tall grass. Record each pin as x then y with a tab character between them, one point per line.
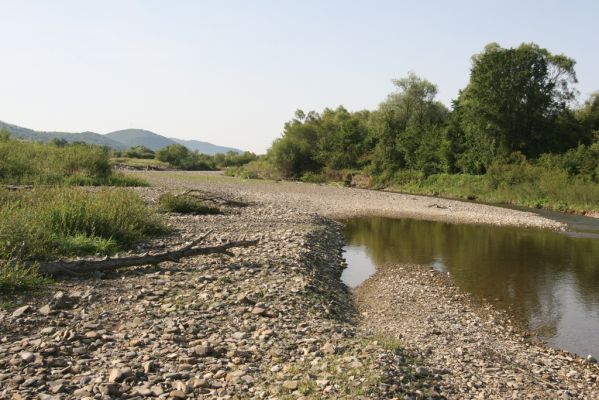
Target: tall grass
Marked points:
47	223
518	184
30	163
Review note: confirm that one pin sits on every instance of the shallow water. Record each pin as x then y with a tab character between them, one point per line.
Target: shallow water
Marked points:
549	280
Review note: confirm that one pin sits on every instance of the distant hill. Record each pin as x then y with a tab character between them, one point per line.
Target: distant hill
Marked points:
140	137
118	140
87	137
205	147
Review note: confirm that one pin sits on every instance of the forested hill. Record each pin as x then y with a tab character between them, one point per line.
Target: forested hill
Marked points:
41	136
118	140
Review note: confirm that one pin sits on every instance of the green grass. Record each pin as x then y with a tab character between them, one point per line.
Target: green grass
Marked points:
524	185
48	223
169	202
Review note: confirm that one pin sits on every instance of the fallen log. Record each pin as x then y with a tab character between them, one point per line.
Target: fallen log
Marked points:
78	267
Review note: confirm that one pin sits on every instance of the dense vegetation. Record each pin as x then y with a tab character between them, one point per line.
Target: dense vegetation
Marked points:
57	163
180	157
513	135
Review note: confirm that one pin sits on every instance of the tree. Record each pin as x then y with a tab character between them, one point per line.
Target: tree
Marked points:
588	116
407	128
513	101
139	152
295	152
174	154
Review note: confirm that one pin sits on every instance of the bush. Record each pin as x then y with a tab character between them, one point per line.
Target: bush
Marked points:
52	222
185	205
139	152
311	177
179	156
28	163
259	169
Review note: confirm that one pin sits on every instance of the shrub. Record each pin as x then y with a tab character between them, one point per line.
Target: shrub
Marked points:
28	163
185	205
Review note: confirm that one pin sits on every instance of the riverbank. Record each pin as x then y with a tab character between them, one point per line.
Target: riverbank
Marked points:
478	351
272	321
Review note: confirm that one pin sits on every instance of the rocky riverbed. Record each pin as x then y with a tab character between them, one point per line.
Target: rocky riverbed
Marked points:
274	321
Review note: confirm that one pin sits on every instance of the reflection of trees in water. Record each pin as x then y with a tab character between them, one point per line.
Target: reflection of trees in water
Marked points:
523	267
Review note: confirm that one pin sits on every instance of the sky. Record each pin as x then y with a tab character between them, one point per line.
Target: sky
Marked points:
232	72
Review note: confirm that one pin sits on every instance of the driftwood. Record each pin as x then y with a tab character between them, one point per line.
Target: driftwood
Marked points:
212	198
110	264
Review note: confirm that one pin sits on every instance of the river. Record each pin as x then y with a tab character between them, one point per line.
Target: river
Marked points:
546	279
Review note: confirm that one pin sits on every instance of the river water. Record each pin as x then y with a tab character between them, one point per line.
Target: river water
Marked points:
549	280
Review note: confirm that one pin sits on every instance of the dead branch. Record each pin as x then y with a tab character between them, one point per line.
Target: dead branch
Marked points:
14	188
110	264
212	198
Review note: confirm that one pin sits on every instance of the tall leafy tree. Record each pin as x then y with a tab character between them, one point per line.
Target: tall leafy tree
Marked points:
407	128
513	100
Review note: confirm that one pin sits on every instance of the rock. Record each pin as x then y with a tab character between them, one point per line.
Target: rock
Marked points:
591	359
91	335
81	393
177	394
235	375
27	356
145	392
118	375
239	336
48	330
45	310
258	311
109	389
148	367
329	348
20	311
202	350
291	385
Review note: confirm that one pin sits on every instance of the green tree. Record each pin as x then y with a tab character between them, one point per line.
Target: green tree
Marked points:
174	154
342	138
295	152
513	101
139	152
408	128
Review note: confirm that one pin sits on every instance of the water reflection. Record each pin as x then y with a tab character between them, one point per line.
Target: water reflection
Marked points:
549	279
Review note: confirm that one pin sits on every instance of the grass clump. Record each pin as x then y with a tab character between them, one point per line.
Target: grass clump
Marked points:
48	223
169	202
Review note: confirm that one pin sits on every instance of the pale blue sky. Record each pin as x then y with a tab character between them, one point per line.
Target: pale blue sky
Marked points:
232	72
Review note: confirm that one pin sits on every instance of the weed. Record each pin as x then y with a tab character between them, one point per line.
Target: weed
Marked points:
185	205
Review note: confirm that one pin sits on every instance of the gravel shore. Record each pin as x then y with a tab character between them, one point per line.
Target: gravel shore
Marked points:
274	321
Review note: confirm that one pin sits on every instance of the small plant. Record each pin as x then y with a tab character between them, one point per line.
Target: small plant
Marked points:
185	204
17	278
